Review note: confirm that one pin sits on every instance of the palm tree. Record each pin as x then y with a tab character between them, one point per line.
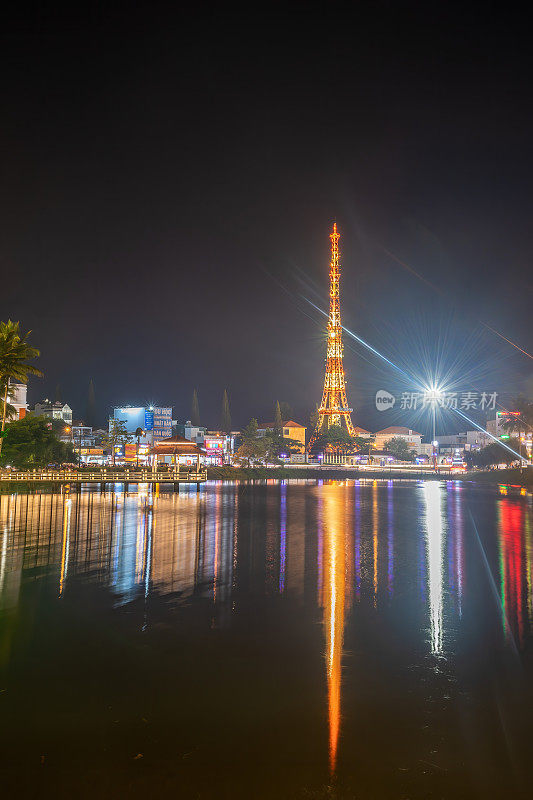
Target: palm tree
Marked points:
519	421
15	352
138	433
11	411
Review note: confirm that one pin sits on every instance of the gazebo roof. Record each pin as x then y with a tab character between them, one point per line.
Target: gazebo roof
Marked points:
175	446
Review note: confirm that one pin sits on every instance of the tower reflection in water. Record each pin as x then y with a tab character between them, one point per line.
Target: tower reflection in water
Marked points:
335	601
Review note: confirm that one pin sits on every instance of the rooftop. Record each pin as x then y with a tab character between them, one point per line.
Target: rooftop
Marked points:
176	445
289	424
398	430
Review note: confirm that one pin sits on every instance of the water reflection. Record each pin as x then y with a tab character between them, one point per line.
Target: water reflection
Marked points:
455	543
390	537
401	558
334	602
513	544
375	521
282	534
434	545
65	544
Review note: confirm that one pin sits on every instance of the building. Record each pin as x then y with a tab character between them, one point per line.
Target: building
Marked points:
87	442
381	457
219	447
469	440
155	421
194	433
177	451
413	439
290	430
57	410
361	432
82	436
18	399
496	426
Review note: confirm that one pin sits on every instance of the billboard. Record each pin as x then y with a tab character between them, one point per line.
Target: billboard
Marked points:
133	417
214	443
130	452
162	422
156	419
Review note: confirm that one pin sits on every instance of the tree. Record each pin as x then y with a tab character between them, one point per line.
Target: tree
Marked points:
363	444
225	416
252	447
494	453
286	411
334	438
138	433
195	409
31	442
278	420
519	423
117	436
249	433
277	445
15	352
91	405
58	393
314	419
398	447
11	411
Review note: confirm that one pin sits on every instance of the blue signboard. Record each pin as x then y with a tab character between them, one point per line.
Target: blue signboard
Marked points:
148	420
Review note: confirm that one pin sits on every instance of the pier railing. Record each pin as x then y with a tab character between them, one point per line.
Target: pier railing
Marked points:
105	476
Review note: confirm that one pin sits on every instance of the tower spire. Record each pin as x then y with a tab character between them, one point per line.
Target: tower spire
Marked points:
334	406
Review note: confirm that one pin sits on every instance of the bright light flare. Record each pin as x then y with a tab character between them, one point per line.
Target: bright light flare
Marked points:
437	388
361	341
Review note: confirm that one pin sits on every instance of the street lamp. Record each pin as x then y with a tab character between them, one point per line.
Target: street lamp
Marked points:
433	397
79	446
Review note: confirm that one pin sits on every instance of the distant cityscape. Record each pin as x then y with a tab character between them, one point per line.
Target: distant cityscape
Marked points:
155	428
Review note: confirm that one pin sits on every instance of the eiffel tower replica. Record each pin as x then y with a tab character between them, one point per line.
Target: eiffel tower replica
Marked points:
334	406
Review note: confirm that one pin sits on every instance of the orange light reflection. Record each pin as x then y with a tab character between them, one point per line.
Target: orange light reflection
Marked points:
334	588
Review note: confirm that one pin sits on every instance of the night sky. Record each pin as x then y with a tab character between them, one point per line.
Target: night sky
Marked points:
169	182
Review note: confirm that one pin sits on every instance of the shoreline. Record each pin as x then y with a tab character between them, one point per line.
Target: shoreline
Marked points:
492	477
507	476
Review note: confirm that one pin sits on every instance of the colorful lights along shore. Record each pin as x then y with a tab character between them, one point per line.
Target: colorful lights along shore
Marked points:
334	406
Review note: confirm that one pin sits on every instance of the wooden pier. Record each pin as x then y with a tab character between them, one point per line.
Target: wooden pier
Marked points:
104	477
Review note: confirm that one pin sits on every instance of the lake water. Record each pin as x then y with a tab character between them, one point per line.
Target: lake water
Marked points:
270	640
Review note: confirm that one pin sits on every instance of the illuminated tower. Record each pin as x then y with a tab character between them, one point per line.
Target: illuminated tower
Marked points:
334	406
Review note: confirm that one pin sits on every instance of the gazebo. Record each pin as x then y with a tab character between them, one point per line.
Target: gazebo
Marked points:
176	451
